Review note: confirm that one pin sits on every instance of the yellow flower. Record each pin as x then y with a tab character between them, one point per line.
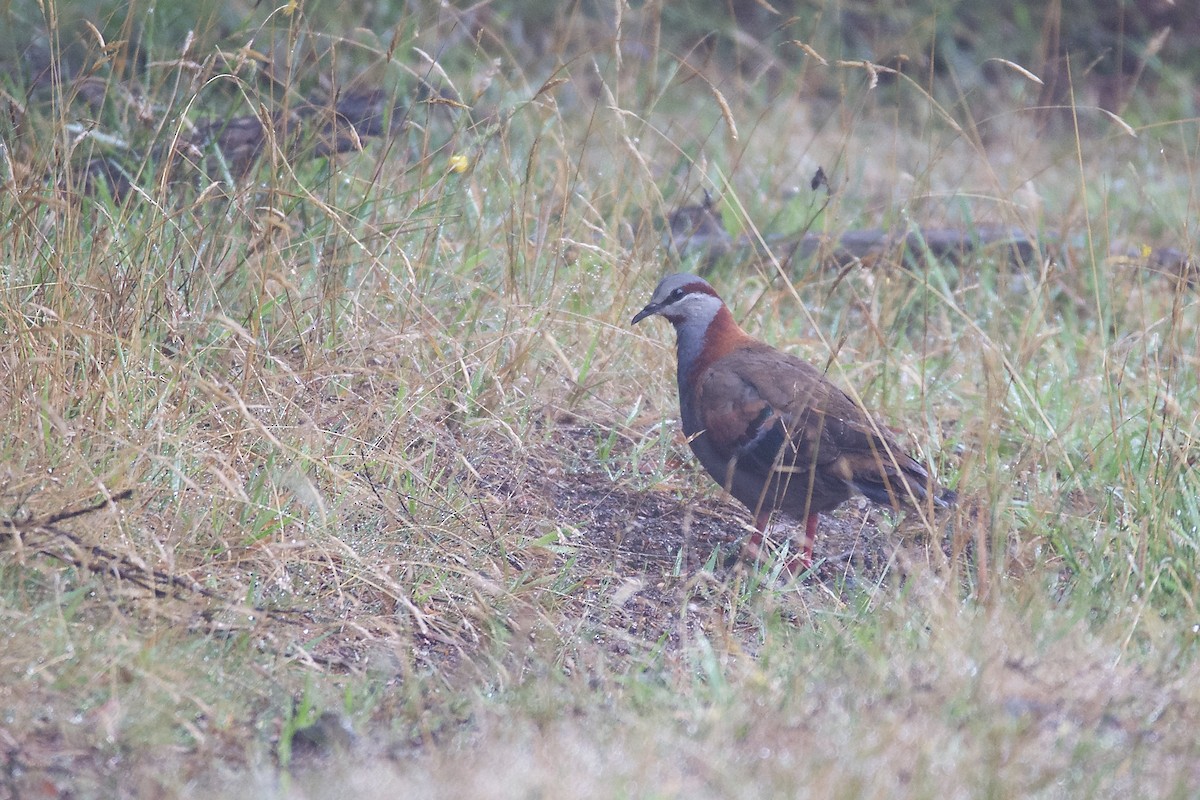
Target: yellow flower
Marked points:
459	163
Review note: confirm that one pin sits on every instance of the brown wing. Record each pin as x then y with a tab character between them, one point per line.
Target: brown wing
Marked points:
772	411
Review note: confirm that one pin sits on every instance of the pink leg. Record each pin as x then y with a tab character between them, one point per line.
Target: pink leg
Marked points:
810	538
804	560
752	549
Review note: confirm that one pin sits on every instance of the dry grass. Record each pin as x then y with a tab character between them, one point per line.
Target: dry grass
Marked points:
410	510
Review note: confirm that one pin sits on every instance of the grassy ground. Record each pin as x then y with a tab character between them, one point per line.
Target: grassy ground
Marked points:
411	513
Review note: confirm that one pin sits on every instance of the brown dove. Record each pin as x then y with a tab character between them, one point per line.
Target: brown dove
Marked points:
770	428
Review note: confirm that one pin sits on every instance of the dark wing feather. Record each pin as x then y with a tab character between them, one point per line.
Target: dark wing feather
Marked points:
770	410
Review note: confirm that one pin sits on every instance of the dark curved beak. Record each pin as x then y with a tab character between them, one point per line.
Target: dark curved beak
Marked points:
650	310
